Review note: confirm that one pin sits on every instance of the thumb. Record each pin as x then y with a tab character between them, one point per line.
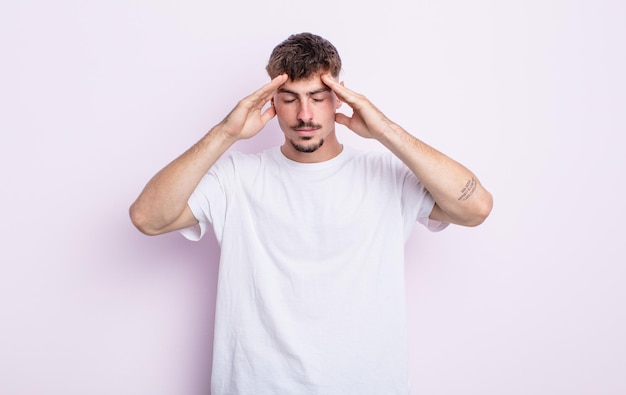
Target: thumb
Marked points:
342	119
269	113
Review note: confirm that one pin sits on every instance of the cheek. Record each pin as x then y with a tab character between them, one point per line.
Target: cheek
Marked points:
281	109
282	115
329	111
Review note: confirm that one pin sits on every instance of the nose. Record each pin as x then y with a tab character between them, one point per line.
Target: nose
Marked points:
304	112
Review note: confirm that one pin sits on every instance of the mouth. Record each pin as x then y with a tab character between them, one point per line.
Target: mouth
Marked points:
306	133
306	130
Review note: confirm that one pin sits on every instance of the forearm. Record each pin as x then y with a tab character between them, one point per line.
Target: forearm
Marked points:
456	190
459	196
165	196
162	205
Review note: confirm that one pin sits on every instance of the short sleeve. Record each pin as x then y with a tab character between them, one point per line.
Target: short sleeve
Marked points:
424	214
208	201
417	202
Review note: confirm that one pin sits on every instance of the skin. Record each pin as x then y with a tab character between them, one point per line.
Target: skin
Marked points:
443	177
307	115
162	205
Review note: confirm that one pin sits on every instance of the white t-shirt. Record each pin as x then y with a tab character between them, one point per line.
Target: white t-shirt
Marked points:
311	295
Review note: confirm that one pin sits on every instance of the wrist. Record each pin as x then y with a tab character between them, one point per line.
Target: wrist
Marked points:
219	136
388	132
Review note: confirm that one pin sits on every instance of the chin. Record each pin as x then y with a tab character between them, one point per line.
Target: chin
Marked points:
307	148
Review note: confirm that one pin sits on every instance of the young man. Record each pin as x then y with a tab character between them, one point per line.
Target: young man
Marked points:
311	289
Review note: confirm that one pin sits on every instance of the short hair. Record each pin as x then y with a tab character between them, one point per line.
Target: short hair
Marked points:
302	56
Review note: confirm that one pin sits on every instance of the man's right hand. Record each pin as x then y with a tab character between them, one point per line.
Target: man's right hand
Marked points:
247	118
162	205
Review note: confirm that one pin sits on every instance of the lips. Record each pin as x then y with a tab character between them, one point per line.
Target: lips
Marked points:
306	132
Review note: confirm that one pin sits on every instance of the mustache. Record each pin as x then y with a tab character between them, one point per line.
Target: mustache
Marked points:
308	125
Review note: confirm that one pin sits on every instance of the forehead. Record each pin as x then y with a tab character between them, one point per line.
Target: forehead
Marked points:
304	86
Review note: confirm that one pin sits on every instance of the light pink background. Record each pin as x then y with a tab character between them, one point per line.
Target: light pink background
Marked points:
95	97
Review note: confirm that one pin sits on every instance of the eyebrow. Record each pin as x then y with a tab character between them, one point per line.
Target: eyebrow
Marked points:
320	90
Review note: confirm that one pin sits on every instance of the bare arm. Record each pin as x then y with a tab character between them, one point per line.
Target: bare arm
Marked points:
162	205
459	196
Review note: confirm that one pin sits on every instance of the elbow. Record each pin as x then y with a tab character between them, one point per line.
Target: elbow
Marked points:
140	221
482	210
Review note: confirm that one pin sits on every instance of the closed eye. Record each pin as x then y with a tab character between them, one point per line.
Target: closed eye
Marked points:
320	96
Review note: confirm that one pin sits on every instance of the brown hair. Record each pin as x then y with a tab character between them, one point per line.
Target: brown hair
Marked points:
302	56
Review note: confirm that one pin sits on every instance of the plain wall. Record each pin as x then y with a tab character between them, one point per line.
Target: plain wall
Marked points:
96	97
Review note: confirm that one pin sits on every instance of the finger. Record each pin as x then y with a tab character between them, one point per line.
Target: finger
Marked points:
342	119
268	114
268	90
344	94
331	83
265	93
277	81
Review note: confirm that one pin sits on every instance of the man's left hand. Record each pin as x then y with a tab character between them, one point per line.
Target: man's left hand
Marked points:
366	120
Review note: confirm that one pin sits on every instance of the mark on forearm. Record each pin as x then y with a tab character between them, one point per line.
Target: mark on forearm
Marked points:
468	190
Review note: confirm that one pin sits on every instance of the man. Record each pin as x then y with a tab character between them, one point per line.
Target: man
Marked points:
311	287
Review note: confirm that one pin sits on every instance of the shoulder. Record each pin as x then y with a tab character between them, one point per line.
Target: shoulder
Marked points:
235	161
377	161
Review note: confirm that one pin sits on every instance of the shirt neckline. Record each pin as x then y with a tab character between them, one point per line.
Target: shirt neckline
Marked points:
343	156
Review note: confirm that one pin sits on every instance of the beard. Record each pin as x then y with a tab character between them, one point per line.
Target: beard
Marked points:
302	147
306	148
